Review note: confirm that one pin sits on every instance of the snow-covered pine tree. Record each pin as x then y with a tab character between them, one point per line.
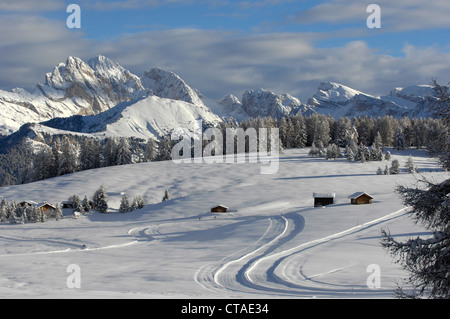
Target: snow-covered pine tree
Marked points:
363	153
58	211
109	152
409	165
150	150
68	158
314	151
333	151
3	210
100	200
77	205
300	137
386	126
395	167
165	149
44	162
322	132
343	131
387	156
11	213
378	141
124	154
125	206
89	154
138	202
399	139
86	204
426	260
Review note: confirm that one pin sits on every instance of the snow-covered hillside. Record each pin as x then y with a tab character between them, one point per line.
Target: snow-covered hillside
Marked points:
272	243
151	117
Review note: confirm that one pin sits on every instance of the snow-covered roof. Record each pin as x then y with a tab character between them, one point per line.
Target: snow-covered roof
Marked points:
218	205
45	203
29	202
324	195
358	194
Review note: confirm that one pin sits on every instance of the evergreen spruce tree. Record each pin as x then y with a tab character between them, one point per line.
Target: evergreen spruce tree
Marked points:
150	151
58	211
399	139
409	165
86	204
109	152
395	167
125	206
314	151
426	260
300	136
138	202
123	152
77	205
333	151
68	158
378	142
100	200
165	149
3	210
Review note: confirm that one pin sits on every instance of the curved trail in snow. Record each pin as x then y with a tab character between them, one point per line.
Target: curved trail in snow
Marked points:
267	268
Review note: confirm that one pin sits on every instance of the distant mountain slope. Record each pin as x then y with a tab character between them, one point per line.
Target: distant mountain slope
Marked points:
79	88
151	117
339	100
73	87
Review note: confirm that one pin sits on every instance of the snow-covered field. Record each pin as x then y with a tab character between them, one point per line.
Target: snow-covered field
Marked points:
273	243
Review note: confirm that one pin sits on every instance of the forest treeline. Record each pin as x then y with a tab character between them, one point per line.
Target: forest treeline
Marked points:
51	155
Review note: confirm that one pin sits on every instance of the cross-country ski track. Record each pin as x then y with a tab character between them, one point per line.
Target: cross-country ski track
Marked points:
269	268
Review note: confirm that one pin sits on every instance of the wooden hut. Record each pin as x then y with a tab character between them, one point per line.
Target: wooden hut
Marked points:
360	198
219	209
48	209
323	199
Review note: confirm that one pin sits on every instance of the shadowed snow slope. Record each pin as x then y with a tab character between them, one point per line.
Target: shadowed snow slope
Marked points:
272	243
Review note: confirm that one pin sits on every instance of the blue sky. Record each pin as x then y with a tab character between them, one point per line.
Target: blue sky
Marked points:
224	46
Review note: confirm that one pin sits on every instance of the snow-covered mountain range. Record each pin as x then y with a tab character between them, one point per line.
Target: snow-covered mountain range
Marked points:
339	100
102	97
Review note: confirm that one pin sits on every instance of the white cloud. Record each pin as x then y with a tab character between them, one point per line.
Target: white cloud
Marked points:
32	45
399	15
31	5
218	62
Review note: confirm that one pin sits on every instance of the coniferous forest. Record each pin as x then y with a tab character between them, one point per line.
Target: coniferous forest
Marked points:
358	139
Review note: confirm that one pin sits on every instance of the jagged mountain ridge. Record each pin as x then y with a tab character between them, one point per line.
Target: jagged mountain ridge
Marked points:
79	88
339	100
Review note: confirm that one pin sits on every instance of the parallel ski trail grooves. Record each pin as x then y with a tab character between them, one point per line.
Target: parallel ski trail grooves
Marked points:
263	270
71	250
270	273
221	276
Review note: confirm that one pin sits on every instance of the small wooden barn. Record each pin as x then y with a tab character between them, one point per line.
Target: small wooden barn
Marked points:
48	209
219	209
360	198
28	203
323	199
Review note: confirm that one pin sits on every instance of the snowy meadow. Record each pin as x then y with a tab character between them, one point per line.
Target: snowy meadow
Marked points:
272	242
